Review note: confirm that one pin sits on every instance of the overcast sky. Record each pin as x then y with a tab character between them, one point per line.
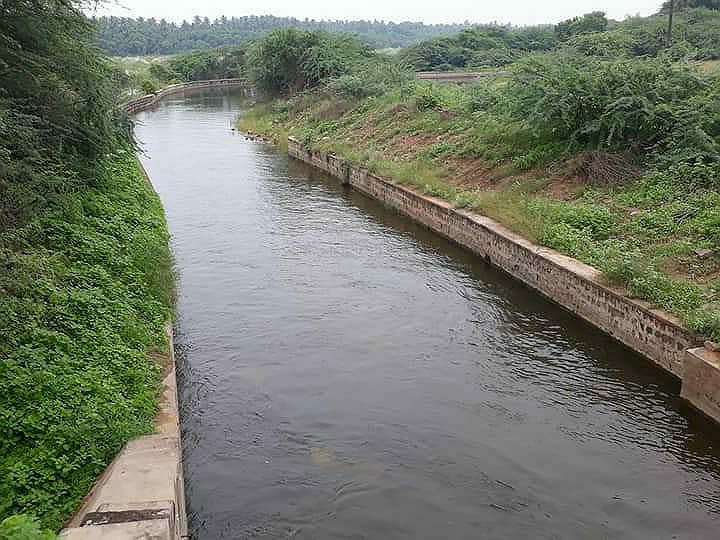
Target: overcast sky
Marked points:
518	12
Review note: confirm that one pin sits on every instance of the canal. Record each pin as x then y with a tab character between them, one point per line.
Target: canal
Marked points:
345	373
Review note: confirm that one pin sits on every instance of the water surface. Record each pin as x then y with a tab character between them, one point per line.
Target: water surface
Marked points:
346	373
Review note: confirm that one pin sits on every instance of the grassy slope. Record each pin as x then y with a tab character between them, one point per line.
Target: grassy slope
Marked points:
643	232
85	288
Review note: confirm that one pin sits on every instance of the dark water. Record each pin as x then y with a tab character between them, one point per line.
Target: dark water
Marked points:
347	374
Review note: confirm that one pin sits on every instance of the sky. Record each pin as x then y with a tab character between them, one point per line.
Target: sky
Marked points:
517	12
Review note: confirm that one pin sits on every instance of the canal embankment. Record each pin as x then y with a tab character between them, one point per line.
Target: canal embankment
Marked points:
86	287
142	491
576	286
345	371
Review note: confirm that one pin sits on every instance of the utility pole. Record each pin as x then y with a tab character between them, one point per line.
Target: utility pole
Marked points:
670	22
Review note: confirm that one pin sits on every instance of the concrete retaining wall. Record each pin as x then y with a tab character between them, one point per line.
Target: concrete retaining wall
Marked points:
576	286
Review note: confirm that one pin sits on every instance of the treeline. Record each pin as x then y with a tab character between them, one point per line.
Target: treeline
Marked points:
696	36
85	270
130	37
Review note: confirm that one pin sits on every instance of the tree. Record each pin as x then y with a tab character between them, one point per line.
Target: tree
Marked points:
57	99
678	5
288	61
590	22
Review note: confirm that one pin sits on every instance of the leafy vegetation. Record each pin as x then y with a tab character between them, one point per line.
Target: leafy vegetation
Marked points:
147	75
126	37
481	46
291	60
696	36
84	292
612	160
85	271
23	528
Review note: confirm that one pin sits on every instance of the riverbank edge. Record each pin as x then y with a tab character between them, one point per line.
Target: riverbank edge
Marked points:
576	286
142	491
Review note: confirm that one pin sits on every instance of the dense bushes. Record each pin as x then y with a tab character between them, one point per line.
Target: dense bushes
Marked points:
221	63
482	46
590	22
23	528
696	36
289	61
57	105
373	79
633	105
84	292
85	271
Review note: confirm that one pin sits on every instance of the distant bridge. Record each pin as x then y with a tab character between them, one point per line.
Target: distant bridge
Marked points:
150	100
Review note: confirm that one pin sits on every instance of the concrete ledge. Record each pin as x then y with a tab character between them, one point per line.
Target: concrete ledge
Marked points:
701	381
138	530
141	494
574	285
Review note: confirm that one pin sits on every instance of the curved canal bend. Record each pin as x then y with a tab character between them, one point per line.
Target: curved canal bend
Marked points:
347	374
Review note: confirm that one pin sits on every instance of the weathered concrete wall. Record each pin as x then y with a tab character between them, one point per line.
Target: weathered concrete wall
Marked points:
657	335
701	381
150	100
572	284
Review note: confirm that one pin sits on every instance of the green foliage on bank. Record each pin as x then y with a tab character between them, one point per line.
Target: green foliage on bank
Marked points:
696	36
22	527
612	160
148	75
85	287
58	99
291	60
85	270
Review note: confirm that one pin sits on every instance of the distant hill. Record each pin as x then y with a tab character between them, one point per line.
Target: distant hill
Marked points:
128	37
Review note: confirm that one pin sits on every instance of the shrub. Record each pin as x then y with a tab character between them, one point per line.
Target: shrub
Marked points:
375	79
612	104
590	22
288	60
598	220
21	527
426	98
148	86
567	239
493	57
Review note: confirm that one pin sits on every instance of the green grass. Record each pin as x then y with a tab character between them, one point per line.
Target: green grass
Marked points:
85	288
641	229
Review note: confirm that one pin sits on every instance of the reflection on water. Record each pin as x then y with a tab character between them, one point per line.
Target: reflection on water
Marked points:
348	374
